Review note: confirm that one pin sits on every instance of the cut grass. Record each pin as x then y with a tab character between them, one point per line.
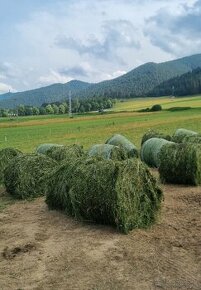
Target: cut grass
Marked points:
5	199
123	194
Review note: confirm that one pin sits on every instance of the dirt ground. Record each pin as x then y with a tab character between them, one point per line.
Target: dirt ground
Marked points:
42	249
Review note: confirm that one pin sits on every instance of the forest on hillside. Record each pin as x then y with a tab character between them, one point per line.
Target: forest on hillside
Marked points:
186	84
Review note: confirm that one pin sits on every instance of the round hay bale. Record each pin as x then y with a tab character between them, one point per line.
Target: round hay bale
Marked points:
195	139
25	176
121	141
180	134
6	155
180	163
60	153
59	184
107	151
154	134
123	194
150	151
43	148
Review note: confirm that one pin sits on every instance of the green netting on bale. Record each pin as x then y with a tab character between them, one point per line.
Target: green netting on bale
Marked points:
43	148
154	134
150	151
180	134
195	139
180	163
119	193
121	141
107	151
65	152
6	155
25	176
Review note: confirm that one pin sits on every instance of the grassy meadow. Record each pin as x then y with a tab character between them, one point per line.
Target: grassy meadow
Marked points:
25	133
137	104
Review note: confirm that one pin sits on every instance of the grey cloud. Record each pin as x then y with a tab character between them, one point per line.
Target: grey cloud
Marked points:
74	71
116	34
176	33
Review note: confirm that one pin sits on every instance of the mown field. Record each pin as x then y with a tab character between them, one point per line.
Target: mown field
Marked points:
26	133
137	104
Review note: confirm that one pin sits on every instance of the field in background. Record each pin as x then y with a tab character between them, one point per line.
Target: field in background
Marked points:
26	133
165	102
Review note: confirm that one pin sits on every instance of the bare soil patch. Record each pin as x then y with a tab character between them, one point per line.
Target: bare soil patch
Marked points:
42	249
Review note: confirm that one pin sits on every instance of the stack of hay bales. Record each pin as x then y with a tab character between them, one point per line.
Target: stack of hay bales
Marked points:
154	134
26	175
150	151
60	153
43	148
6	155
180	163
121	141
119	193
180	134
107	151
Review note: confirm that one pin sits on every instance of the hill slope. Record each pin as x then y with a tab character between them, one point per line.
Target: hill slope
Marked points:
186	84
37	97
138	82
144	78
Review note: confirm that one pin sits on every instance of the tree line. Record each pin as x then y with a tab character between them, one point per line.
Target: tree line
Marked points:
78	106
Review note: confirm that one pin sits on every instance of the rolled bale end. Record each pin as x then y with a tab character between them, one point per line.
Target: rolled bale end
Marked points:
123	194
43	148
151	149
121	141
6	155
154	134
180	134
60	153
59	184
107	151
180	164
26	175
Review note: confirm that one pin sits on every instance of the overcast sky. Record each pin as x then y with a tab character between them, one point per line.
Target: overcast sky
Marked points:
49	41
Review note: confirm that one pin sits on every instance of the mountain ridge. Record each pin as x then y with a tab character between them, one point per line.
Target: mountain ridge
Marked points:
136	83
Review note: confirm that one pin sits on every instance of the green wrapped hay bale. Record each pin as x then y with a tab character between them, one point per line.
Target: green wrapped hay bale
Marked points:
180	134
195	139
150	151
123	194
43	148
181	164
107	151
6	155
25	176
121	141
154	134
60	153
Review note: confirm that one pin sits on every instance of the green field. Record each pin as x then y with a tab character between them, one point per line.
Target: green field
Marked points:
26	133
137	104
